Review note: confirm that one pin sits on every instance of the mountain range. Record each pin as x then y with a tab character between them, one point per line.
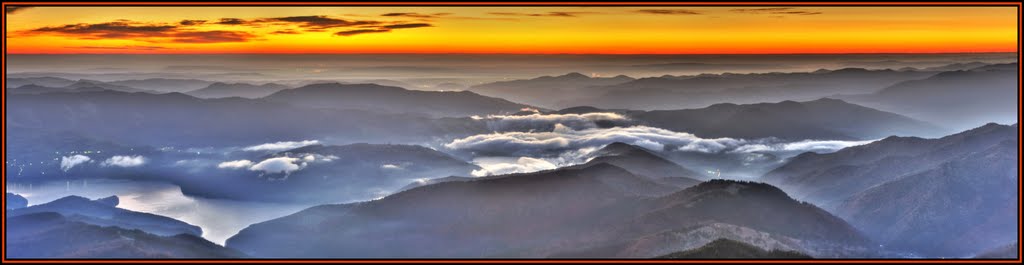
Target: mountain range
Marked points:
179	119
818	119
697	91
165	85
546	91
83	85
951	196
591	210
389	99
104	212
959	100
731	249
225	90
51	235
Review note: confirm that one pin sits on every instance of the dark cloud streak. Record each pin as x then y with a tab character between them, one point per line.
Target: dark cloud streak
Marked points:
285	31
408	26
109	30
15	9
775	11
415	15
319	22
668	11
185	31
360	31
155	33
191	22
548	14
216	36
128	47
232	21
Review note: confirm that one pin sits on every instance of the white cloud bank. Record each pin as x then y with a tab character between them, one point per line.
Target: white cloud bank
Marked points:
237	164
563	138
801	146
280	146
520	165
124	161
285	165
563	146
68	162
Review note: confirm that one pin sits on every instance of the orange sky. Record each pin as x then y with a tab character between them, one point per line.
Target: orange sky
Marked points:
581	30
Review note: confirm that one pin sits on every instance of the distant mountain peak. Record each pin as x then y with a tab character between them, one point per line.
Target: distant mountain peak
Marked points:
90	81
336	86
736	188
392	99
71	199
830	100
579	110
620	148
852	70
575	75
113	201
988	127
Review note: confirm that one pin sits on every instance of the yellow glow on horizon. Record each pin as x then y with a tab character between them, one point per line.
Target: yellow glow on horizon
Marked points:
594	30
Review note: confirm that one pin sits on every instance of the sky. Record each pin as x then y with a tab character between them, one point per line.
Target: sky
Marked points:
515	30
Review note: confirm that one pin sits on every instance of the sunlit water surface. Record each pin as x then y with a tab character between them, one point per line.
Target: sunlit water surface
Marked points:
220	219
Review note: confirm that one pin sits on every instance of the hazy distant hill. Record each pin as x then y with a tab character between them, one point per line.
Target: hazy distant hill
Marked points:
643	162
165	84
677	92
731	249
51	235
36	89
540	214
15	201
39	81
958	100
390	99
104	212
449	86
546	91
224	90
425	182
179	119
957	66
82	85
951	196
819	119
635	159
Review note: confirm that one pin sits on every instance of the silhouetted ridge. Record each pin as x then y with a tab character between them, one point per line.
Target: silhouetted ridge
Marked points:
730	249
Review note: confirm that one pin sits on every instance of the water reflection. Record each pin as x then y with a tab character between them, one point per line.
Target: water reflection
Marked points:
220	219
